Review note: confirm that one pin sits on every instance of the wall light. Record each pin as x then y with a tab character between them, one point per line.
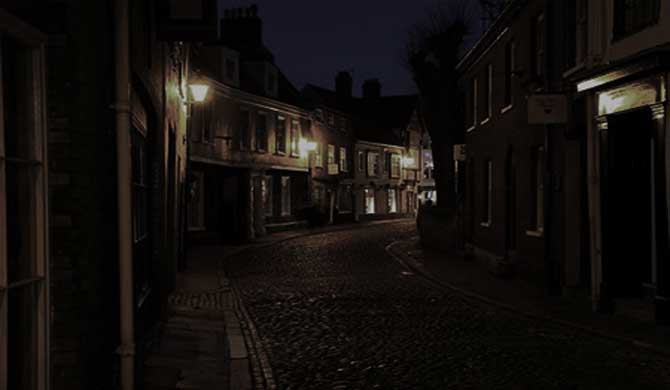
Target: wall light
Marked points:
199	92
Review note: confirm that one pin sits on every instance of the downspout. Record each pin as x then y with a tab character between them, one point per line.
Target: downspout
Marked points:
126	349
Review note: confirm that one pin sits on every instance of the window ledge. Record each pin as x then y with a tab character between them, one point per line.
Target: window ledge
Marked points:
534	233
506	108
485	121
485	224
469	129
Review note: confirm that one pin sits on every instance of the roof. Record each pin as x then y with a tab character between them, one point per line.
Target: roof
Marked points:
374	120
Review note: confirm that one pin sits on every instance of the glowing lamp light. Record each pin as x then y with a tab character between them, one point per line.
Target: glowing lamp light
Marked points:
407	162
199	92
306	146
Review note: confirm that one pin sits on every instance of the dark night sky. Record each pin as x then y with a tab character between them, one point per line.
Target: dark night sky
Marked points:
313	40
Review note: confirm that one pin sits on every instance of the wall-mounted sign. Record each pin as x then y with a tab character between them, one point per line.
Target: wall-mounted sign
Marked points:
460	152
632	95
546	109
333	169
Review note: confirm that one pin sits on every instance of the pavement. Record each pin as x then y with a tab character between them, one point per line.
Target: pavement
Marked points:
207	340
361	306
632	323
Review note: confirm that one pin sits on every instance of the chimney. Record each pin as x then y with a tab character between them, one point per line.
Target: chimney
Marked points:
242	27
371	89
343	86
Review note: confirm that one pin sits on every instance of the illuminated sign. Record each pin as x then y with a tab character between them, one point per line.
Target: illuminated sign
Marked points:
631	95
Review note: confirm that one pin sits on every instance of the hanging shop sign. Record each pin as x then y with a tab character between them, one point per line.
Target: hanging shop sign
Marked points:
547	109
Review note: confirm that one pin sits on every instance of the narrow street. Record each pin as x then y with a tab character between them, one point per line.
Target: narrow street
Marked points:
336	311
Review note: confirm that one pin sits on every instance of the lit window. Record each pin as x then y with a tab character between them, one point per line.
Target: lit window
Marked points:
318	156
392	201
295	139
331	154
373	164
395	165
343	160
369	201
280	135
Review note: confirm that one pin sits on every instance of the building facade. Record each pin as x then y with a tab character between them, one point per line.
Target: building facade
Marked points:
620	80
102	93
332	163
388	155
248	162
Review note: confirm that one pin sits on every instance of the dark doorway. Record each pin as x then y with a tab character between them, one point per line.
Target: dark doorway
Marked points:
510	206
626	196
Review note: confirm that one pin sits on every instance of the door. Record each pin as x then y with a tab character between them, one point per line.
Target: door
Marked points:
627	210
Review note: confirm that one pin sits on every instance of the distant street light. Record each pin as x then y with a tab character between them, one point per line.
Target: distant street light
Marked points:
306	146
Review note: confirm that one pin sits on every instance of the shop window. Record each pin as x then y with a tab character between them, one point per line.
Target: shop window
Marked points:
267	196
285	196
392	201
369	201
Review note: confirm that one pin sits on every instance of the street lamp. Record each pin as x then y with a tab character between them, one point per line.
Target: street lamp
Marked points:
306	146
198	91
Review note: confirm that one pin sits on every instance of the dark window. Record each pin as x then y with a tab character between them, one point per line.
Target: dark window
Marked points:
509	69
488	93
487	193
576	33
538	49
281	135
141	211
631	16
231	69
243	139
261	132
537	189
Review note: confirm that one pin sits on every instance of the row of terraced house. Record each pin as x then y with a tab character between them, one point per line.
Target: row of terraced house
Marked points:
110	166
566	175
265	156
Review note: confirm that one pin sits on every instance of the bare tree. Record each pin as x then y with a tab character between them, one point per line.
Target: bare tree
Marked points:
433	50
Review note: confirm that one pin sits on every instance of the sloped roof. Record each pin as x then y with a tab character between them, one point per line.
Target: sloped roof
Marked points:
374	120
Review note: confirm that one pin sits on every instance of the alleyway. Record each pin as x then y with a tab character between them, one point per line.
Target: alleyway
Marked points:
335	311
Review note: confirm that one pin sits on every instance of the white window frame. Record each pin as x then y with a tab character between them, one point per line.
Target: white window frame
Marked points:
474	104
343	160
373	164
392	195
318	155
35	42
395	166
331	154
369	193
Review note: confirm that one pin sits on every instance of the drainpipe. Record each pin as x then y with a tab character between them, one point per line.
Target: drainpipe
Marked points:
126	349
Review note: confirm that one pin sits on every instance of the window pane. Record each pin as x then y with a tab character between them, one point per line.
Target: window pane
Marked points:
21	336
286	196
281	135
261	132
18	121
20	198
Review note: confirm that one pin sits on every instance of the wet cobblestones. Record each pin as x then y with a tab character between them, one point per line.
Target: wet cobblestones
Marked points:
335	312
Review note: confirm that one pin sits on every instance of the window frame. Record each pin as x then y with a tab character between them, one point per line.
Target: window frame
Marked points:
295	138
508	96
372	165
34	44
344	167
488	93
318	155
282	150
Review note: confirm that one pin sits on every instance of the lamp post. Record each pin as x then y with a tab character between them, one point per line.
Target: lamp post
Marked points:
198	91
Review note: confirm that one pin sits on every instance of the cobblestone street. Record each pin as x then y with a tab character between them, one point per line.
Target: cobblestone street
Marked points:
335	311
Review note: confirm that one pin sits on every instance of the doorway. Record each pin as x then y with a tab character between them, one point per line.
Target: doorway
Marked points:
626	152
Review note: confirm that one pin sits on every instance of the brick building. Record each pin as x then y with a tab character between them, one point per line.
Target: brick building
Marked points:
387	153
332	163
521	178
98	87
248	169
618	65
